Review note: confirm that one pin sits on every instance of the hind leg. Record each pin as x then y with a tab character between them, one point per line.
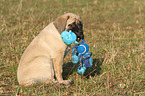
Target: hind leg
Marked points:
39	70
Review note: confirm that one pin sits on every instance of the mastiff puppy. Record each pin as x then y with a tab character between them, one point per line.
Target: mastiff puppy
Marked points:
44	56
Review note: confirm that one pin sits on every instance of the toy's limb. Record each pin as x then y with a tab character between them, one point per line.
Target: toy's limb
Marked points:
80	59
87	60
81	71
91	61
87	55
73	49
75	59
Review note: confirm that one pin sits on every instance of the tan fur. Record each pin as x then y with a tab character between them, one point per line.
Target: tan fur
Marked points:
62	22
45	54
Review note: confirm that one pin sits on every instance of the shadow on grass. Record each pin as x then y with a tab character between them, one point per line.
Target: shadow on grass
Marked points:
69	68
95	69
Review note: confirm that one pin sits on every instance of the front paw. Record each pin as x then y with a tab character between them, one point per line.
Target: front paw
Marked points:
67	82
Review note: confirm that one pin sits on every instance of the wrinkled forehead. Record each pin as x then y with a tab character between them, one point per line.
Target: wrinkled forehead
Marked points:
72	19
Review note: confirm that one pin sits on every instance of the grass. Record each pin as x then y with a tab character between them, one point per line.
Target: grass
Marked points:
114	30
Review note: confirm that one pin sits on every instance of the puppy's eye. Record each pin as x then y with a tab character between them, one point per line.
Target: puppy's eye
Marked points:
70	25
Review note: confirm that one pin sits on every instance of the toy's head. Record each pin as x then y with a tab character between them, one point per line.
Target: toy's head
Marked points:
69	37
82	48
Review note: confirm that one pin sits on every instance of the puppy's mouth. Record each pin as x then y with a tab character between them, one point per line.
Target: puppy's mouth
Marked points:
78	38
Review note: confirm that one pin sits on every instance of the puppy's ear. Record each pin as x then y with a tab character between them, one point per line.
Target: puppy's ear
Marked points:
60	22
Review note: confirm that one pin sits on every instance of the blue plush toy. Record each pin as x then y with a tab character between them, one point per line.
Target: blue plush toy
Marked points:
83	56
69	37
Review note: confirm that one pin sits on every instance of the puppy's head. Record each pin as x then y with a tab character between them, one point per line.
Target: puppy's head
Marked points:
71	22
77	28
